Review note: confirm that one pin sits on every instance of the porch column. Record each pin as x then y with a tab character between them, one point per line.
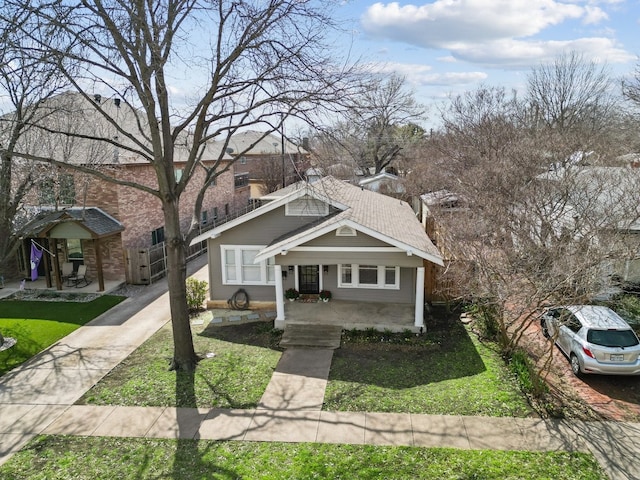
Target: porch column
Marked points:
279	294
56	263
96	246
419	316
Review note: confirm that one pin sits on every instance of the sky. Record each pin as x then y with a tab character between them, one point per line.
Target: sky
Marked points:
446	47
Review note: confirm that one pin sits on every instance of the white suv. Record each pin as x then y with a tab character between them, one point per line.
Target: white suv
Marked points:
595	339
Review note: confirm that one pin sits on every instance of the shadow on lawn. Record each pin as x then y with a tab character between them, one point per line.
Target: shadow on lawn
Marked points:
190	453
401	361
259	334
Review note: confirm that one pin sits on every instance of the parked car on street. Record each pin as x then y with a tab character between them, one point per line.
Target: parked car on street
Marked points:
594	338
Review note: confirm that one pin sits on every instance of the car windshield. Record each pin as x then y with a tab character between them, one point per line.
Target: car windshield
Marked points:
612	338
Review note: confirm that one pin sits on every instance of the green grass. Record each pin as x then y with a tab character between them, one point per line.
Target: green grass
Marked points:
235	377
37	325
95	458
448	373
445	372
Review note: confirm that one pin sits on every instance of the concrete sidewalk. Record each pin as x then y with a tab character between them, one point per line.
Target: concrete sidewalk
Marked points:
38	398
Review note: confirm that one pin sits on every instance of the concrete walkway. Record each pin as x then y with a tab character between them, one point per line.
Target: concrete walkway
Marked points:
38	398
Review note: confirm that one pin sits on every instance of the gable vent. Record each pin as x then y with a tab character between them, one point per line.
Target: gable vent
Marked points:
306	207
345	232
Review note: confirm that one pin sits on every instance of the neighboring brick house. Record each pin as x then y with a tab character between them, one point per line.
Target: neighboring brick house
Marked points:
139	212
267	160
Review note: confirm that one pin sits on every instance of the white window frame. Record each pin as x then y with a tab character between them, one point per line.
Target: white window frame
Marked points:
355	277
265	266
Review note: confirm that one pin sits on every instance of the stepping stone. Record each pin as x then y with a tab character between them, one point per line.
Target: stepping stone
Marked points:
253	316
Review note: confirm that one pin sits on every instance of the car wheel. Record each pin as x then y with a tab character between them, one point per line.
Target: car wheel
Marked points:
545	330
575	365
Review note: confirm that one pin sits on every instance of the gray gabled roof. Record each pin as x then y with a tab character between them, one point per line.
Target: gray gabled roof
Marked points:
93	219
383	217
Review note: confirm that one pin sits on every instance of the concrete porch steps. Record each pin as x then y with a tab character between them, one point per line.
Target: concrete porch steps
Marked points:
310	335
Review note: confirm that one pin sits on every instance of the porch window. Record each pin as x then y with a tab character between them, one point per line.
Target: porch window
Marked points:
238	267
368	276
74	249
345	275
390	275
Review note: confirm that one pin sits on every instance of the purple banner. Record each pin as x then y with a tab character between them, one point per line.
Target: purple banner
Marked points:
36	255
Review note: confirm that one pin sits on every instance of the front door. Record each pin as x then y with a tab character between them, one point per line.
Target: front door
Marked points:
309	277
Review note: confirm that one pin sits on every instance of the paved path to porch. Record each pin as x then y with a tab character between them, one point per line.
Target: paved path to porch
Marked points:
39	399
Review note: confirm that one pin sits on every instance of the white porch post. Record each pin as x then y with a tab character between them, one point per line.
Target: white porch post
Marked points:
419	316
279	296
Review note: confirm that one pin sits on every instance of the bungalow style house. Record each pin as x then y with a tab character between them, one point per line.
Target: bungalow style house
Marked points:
88	221
360	245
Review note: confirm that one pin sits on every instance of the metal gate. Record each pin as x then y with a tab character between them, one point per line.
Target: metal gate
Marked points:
148	265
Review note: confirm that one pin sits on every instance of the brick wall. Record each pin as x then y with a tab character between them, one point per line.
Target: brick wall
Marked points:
113	267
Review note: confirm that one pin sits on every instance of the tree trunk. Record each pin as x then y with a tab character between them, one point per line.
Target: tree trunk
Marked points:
184	356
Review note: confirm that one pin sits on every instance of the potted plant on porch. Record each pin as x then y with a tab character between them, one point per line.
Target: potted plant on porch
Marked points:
291	294
325	295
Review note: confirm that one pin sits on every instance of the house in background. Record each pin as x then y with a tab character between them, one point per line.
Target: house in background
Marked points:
327	235
386	183
125	255
607	199
270	161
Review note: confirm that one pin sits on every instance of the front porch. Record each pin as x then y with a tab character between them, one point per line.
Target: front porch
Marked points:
395	317
13	286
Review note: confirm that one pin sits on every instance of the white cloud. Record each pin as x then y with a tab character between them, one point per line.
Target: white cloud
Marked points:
494	33
419	75
515	53
442	22
594	15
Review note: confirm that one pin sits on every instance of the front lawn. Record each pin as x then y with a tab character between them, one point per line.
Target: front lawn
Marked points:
238	362
446	372
38	324
96	458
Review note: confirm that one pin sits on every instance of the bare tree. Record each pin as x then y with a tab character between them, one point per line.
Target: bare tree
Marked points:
251	64
571	93
378	124
26	82
536	233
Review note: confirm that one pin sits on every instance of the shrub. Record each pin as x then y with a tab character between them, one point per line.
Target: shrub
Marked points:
325	294
525	371
292	293
486	316
196	294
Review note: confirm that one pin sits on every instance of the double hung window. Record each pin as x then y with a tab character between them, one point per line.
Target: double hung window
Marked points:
239	267
352	275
